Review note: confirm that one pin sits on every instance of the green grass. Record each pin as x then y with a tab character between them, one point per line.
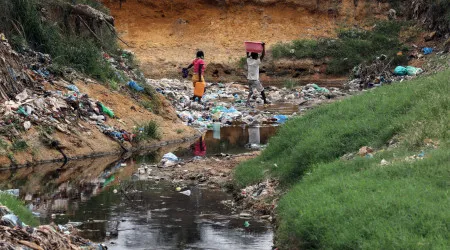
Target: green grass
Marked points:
19	145
18	208
418	109
359	204
351	48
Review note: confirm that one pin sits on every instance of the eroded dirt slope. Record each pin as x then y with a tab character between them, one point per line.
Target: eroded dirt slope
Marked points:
166	34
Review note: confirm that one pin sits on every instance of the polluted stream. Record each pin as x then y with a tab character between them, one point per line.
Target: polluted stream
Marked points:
102	201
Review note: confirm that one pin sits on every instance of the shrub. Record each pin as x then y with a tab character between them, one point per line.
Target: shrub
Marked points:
148	131
19	145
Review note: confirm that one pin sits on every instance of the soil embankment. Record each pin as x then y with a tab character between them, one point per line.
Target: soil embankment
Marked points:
165	34
48	118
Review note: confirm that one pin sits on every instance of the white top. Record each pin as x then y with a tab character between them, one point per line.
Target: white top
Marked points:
253	69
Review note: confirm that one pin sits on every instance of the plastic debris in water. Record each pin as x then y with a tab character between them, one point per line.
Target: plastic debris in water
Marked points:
246	224
178	189
186	192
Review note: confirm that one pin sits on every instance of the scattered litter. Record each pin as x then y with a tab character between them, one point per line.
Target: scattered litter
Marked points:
427	50
186	192
246	224
27	125
12	220
13	192
364	151
281	118
73	88
413	71
384	162
400	71
245	215
135	86
170	156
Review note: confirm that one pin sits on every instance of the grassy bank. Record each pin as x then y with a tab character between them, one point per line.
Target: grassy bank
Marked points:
18	208
417	109
359	204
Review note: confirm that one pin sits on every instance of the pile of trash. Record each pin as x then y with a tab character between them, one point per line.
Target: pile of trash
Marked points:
61	109
225	104
14	233
379	72
259	198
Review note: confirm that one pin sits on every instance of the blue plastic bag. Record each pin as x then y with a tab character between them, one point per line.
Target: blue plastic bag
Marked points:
73	88
400	71
427	50
135	86
280	118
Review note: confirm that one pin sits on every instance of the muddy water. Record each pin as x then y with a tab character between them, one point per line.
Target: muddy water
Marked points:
142	215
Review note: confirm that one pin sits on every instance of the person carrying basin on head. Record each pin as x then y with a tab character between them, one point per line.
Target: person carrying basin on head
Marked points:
253	62
198	77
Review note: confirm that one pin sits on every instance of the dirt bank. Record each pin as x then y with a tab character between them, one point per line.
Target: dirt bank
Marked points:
49	117
165	34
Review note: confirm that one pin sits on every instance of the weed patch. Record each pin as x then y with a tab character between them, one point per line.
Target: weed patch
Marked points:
19	145
361	203
148	131
18	208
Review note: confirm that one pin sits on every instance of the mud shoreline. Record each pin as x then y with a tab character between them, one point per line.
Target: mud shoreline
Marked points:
101	154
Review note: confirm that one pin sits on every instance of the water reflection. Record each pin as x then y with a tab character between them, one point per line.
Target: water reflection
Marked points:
164	219
233	140
146	215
